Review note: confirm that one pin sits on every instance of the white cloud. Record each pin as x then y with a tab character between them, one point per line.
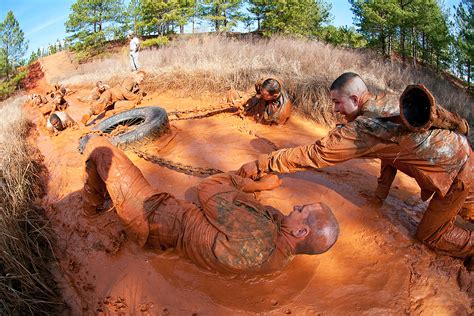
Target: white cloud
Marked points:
46	25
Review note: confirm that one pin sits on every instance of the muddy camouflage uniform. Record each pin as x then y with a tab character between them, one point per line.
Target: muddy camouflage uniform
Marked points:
439	160
269	112
232	233
128	90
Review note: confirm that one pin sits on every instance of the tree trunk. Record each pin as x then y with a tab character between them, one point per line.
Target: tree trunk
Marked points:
414	47
382	40
423	48
402	44
217	25
468	74
181	29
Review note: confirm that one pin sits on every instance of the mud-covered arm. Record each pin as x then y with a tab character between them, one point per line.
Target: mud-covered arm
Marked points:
226	183
128	95
387	175
341	144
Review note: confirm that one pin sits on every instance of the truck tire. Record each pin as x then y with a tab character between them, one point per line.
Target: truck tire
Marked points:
146	124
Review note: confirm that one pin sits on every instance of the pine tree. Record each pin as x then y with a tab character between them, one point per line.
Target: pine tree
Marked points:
162	17
13	45
464	43
302	17
91	22
33	58
258	10
222	14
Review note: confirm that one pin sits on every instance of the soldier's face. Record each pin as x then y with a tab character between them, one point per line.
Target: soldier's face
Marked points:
140	78
298	216
345	104
267	96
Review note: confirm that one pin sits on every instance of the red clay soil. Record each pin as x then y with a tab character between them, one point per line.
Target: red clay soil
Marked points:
35	74
376	266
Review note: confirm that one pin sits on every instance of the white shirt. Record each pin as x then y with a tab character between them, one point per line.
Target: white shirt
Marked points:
134	43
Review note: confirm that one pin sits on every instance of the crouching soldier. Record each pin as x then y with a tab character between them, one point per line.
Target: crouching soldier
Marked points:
96	92
57	102
231	233
271	104
129	90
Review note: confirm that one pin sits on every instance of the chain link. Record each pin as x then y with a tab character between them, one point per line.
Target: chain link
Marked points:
202	113
177	166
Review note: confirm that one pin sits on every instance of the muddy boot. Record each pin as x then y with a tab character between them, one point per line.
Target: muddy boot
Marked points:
85	118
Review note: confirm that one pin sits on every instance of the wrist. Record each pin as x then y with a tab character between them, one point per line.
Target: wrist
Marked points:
262	164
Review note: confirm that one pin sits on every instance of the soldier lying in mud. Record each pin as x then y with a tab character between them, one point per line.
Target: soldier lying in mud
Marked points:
59	121
439	158
270	104
231	233
37	100
57	102
128	90
96	92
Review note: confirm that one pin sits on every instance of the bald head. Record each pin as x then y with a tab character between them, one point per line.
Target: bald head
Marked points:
347	93
349	83
323	230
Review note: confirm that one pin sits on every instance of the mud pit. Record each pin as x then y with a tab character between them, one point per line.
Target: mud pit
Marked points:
376	267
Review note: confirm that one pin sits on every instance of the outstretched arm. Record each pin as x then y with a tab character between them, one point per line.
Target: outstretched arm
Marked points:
341	144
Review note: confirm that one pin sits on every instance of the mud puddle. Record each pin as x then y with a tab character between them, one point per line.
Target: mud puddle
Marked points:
376	267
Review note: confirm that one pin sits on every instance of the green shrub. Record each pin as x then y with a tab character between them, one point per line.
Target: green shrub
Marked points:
156	42
9	86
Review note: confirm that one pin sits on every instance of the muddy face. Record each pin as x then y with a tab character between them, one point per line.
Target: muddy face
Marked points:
344	105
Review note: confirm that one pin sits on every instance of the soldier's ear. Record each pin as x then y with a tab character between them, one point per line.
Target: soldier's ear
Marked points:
301	231
355	98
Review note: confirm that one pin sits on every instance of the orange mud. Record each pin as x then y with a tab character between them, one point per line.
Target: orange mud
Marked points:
376	266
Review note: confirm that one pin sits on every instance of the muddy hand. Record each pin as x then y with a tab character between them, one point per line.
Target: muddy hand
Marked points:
249	170
270	182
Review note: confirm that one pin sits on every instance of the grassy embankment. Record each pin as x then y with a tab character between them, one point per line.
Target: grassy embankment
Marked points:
26	257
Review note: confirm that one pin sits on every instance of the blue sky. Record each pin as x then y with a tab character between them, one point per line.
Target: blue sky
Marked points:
42	21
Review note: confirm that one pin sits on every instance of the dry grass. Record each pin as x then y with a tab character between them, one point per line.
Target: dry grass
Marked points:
26	283
211	63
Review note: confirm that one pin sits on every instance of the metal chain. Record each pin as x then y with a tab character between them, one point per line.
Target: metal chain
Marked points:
202	113
177	166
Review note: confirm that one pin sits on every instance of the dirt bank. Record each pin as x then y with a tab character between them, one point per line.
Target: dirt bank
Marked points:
376	267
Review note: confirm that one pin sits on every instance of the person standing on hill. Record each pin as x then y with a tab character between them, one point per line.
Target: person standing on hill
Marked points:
438	155
134	49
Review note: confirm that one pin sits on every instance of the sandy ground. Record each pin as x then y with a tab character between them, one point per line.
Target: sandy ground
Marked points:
376	266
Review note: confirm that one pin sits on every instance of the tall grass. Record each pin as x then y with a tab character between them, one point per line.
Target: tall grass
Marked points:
26	283
213	63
